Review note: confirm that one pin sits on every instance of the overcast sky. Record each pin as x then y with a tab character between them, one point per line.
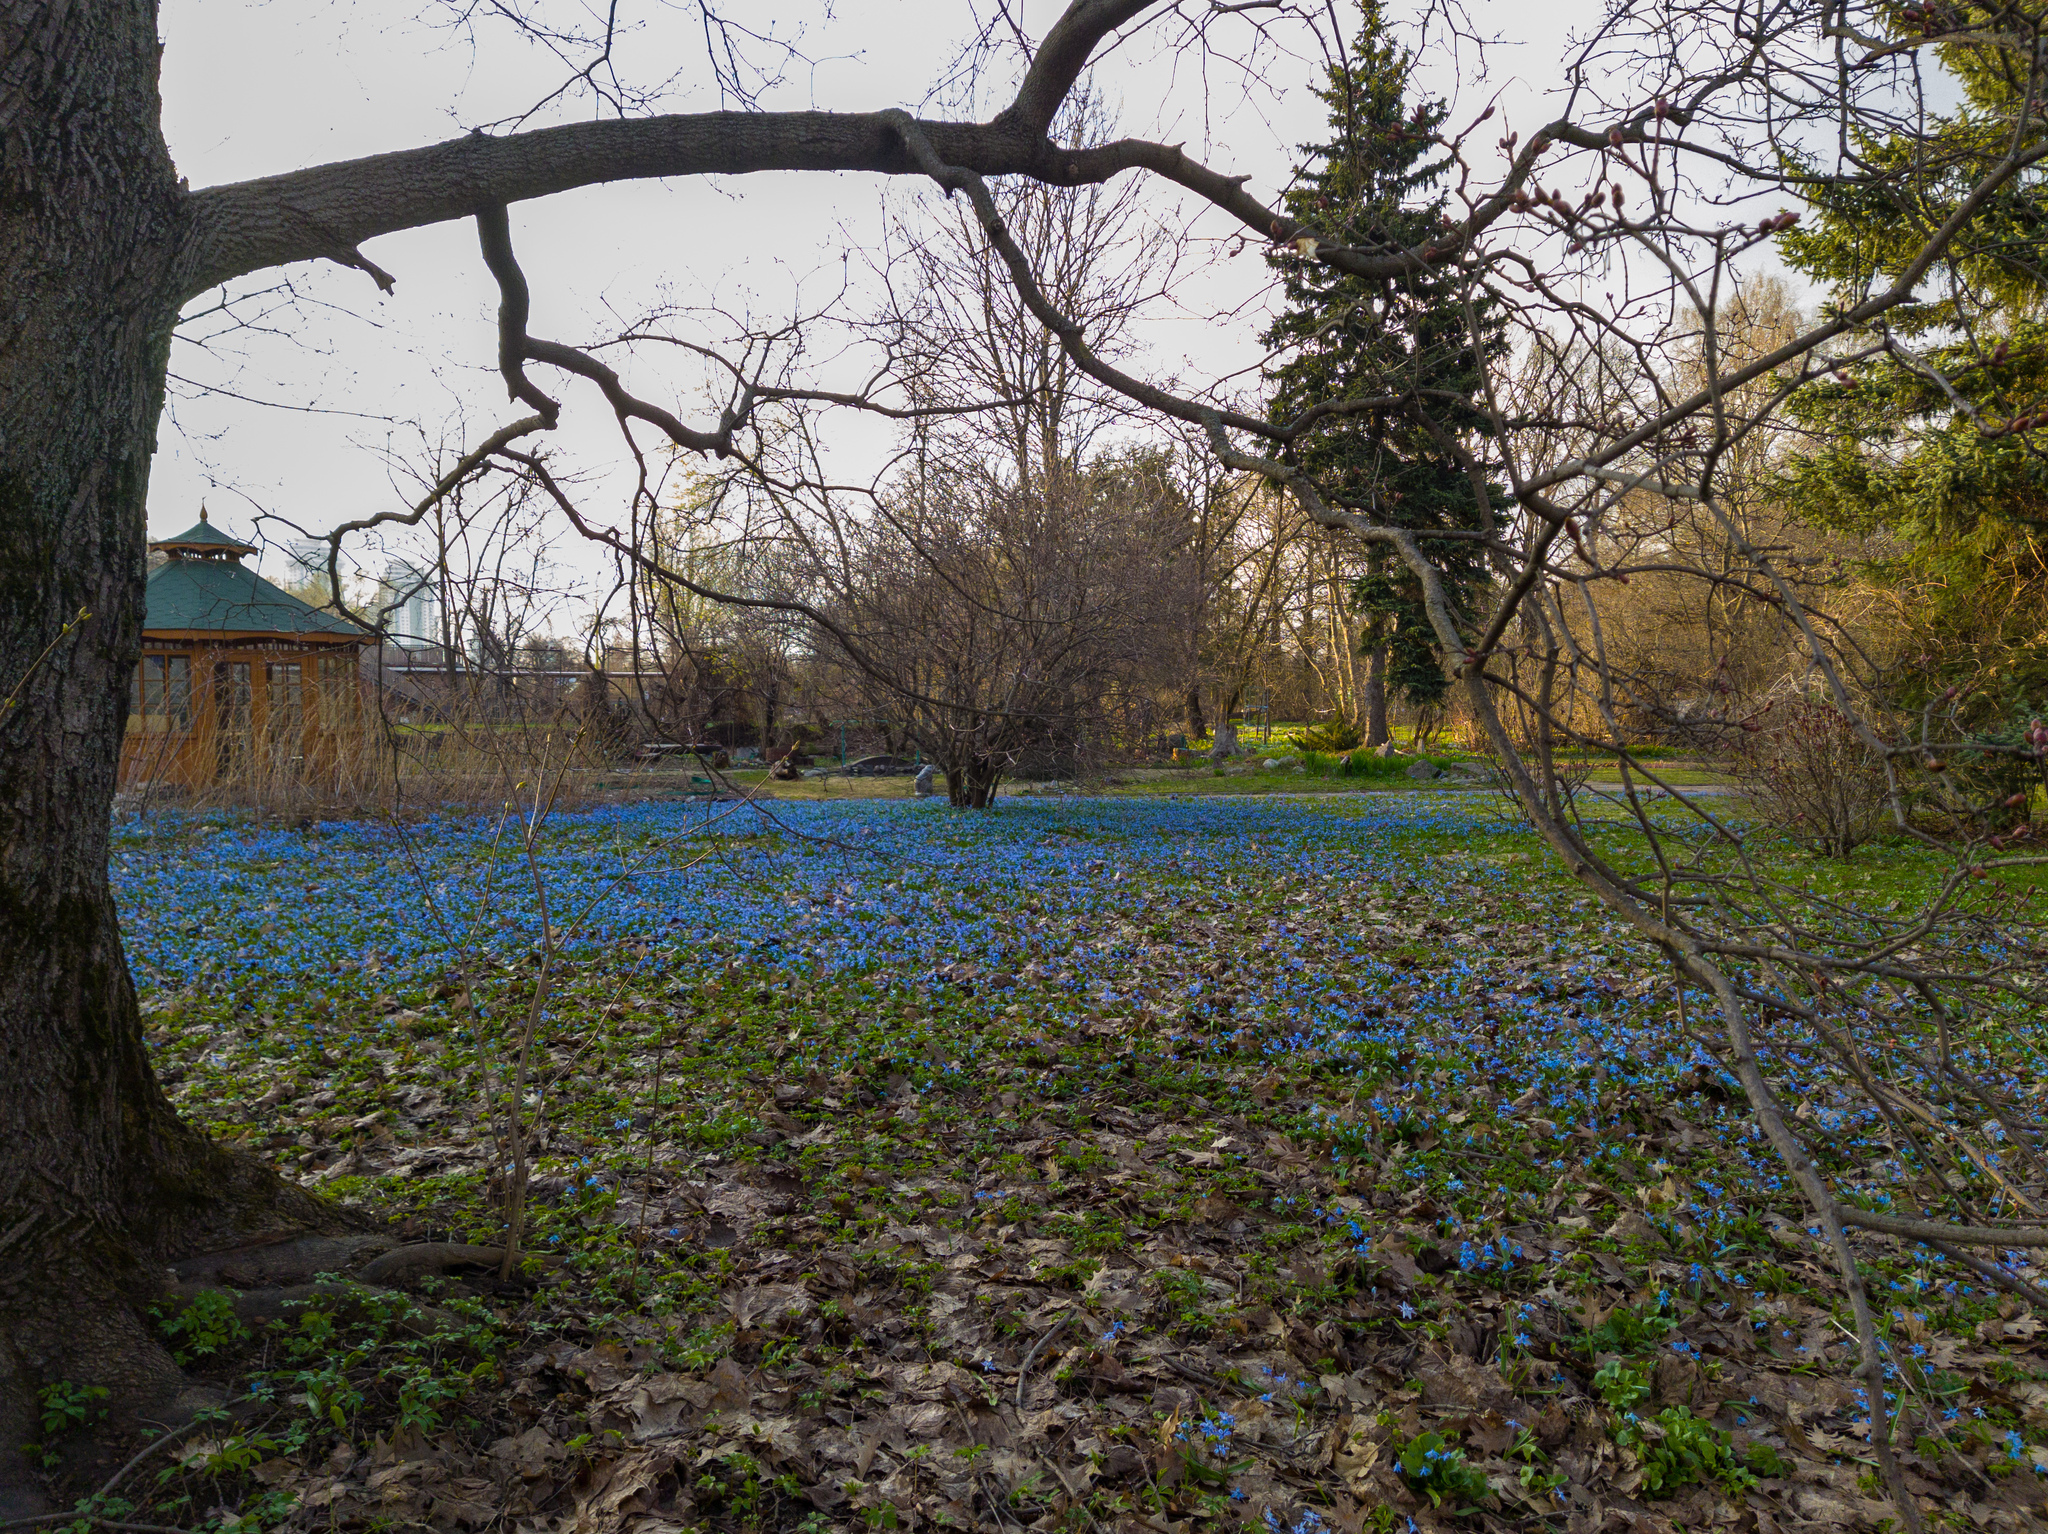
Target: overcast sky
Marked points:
314	408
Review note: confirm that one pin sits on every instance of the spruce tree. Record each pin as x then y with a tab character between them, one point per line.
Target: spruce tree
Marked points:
1951	488
1377	185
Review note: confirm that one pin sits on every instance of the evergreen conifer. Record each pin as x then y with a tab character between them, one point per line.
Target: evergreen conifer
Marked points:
1378	185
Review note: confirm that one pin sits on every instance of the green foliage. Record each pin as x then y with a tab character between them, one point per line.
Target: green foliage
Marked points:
1676	1449
1763	1460
204	1327
1622	1384
1959	498
1332	736
1433	1468
1634	1331
422	1372
234	1455
65	1408
737	1485
1184	1302
1535	1480
1375	186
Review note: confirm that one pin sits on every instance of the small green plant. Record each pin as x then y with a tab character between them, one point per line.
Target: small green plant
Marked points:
1622	1384
233	1455
1070	1275
1183	1299
1332	736
1677	1449
1634	1331
736	1483
65	1408
203	1327
1534	1478
1766	1461
1435	1469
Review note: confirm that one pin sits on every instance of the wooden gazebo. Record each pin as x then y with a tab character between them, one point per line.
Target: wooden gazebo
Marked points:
239	681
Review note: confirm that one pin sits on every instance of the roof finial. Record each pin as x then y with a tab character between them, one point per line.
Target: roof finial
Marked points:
202	511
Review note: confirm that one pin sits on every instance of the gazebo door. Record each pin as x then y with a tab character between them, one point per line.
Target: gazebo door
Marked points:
233	728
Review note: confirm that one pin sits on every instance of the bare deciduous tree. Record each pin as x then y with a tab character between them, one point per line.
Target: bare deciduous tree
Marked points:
997	624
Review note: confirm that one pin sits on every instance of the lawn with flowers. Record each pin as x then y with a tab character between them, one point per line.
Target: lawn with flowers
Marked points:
1137	1163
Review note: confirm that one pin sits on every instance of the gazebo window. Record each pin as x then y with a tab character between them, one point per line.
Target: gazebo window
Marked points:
287	697
231	693
338	691
162	695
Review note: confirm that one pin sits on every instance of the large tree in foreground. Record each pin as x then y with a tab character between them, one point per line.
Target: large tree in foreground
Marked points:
101	246
1598	233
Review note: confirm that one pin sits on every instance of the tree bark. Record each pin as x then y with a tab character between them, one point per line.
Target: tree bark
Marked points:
972	784
1226	728
771	707
1195	724
100	1184
1376	731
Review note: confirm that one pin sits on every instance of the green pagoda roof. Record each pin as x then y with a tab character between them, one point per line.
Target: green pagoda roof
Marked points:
202	587
204	538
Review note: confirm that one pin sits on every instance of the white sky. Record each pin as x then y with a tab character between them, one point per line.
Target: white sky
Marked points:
257	89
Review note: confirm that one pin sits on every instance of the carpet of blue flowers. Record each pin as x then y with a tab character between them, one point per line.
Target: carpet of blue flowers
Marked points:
1260	1161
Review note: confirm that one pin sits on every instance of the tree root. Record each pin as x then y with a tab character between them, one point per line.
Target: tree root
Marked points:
368	1258
271	1264
436	1257
296	1274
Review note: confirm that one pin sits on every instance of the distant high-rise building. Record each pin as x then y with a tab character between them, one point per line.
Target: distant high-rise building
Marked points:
409	592
308	558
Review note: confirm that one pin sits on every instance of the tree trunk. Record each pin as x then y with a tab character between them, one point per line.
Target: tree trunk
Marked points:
972	784
1195	724
1376	731
100	1184
771	700
1226	729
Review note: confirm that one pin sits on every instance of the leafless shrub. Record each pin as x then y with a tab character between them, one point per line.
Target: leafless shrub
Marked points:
996	624
1809	774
